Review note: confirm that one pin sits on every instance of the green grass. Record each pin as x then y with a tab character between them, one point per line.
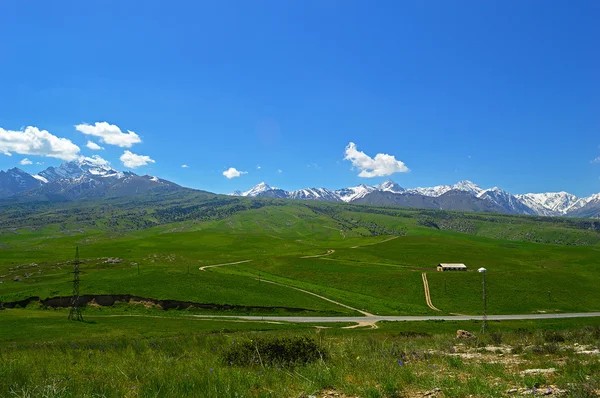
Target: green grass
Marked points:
177	356
165	239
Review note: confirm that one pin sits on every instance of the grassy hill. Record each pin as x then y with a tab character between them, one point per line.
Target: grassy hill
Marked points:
160	242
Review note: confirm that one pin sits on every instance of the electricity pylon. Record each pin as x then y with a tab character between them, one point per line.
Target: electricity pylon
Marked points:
75	313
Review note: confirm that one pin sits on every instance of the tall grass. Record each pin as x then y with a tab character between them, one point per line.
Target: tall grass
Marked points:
355	363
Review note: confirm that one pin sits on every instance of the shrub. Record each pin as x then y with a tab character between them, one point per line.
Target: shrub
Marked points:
496	337
550	336
286	351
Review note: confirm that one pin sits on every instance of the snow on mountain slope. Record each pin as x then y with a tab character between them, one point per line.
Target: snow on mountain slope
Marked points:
353	193
550	203
94	166
257	189
15	180
390	186
436	191
314	194
466	186
506	201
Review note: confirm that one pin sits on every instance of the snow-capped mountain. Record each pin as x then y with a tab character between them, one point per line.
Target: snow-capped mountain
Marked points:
551	203
506	201
314	194
464	195
16	180
465	186
354	193
254	191
94	166
82	178
390	186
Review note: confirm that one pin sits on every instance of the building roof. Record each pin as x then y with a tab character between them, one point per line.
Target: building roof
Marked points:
445	265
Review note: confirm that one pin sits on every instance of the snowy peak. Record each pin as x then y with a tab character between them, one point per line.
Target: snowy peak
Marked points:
552	203
16	180
353	193
467	186
314	194
84	166
508	202
390	186
257	190
431	191
439	190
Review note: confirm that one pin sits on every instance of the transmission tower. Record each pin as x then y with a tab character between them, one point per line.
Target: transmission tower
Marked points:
75	313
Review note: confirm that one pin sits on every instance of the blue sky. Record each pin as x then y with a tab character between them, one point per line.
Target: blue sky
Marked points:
504	93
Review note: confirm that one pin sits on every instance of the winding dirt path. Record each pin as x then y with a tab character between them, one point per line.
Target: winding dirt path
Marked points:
427	296
319	296
321	255
375	243
220	265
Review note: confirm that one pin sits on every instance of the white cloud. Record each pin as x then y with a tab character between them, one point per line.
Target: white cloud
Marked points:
25	162
597	160
233	173
93	146
132	160
280	171
381	165
39	163
110	134
96	160
185	166
258	167
33	141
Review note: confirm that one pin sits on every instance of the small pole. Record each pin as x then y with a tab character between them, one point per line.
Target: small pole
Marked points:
445	285
259	277
484	324
549	298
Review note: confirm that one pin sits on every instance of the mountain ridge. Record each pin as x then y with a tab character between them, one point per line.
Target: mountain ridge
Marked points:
492	199
94	178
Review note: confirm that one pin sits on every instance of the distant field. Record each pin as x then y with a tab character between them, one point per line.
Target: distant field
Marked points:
535	264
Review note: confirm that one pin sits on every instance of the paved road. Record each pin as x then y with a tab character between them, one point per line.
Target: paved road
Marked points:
373	319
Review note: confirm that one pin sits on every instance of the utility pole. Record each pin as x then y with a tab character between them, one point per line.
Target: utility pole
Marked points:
484	324
75	313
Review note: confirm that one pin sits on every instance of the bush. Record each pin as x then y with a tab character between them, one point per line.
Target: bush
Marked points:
285	351
496	337
551	336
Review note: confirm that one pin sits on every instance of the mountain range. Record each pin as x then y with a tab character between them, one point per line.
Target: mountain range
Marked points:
84	178
463	196
93	178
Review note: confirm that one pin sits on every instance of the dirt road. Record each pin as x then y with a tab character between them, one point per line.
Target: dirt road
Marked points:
220	265
427	296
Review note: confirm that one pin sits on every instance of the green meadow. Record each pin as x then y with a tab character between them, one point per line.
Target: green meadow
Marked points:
155	249
274	257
